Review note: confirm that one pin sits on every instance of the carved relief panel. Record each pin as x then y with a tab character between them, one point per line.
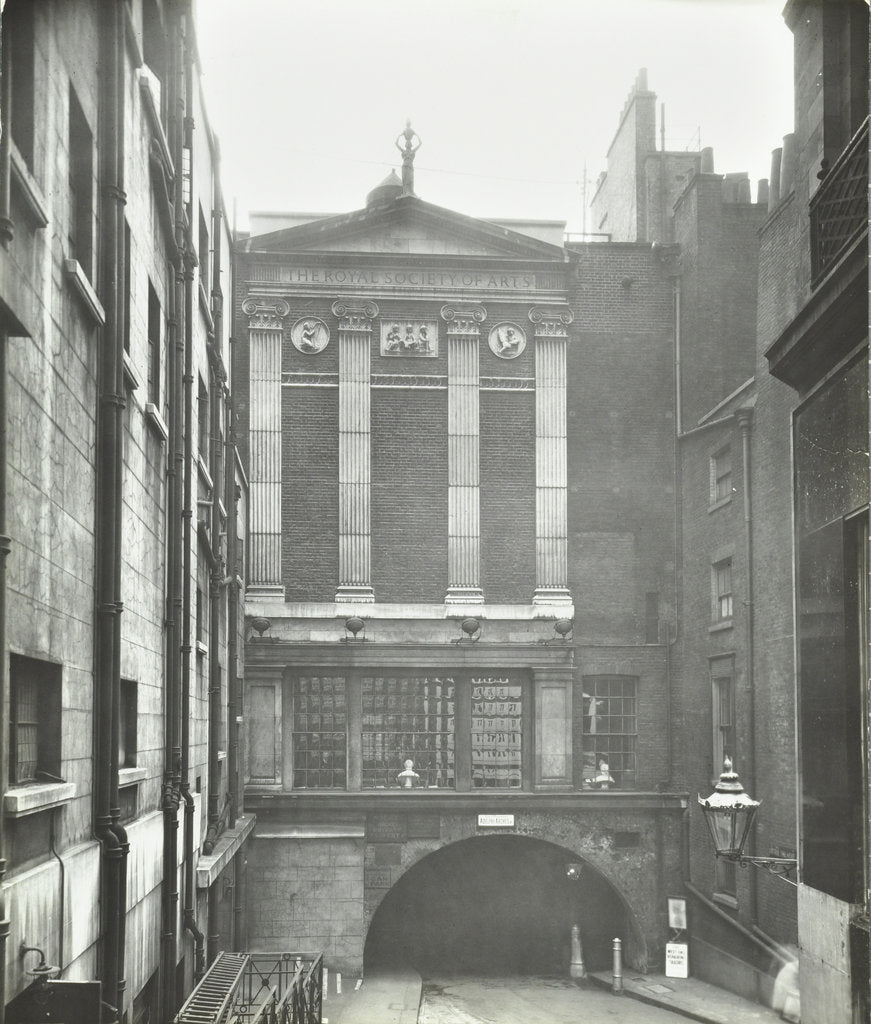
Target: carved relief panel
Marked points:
310	335
403	337
506	340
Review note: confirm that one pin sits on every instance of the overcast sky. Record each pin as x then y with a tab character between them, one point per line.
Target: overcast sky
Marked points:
511	98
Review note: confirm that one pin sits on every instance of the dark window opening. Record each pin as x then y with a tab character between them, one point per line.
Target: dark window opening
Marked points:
651	618
154	340
203	421
81	186
127	718
34	722
18	44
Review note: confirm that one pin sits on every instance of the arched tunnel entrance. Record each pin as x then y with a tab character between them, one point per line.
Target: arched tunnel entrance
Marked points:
495	905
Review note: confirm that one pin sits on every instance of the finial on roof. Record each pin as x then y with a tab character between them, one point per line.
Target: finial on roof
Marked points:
410	147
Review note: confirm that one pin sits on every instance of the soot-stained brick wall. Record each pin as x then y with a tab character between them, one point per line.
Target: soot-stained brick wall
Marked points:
309	498
409	494
507	496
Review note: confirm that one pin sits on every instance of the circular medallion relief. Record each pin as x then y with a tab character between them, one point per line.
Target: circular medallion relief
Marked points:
310	335
507	340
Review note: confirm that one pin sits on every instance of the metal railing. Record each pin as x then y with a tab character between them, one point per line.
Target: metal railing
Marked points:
839	208
257	988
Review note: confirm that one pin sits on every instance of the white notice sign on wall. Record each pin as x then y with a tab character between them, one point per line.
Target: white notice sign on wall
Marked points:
495	821
677	960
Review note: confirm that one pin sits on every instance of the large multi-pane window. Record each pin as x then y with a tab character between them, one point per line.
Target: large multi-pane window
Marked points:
460	731
497	734
408	718
319	732
610	731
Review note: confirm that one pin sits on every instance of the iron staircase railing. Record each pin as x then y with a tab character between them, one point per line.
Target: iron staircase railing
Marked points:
257	988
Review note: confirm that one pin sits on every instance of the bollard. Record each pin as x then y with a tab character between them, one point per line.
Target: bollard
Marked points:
577	970
617	968
338	983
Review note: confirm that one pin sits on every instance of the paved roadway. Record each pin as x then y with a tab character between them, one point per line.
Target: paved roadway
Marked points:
454	999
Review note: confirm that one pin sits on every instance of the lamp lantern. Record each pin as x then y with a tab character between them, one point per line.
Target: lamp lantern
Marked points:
729	812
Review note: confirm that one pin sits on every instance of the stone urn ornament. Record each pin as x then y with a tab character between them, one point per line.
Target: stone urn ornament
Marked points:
407	777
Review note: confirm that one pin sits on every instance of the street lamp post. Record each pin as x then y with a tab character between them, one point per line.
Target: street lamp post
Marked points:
729	813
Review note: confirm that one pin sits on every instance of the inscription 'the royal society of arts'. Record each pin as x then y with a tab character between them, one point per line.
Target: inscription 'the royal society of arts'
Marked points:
409	278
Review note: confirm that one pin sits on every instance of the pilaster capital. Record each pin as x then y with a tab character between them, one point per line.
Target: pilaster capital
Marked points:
265	314
551	321
355	315
463	321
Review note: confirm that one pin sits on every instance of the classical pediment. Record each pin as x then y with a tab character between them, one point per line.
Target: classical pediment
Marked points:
406	225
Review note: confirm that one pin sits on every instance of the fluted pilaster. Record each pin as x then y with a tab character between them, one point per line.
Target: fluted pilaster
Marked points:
551	508
464	484
355	432
265	334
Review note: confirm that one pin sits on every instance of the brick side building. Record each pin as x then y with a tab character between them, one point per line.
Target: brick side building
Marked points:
120	626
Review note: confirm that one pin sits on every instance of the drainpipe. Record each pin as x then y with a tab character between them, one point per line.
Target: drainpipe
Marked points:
745	422
214	934
6	236
7	231
190	421
5	546
108	507
117	199
677	455
217	580
171	796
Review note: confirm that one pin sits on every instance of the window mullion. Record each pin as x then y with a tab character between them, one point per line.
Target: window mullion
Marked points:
354	725
463	733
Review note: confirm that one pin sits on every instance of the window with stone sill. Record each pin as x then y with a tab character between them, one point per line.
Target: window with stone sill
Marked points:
721	585
80	229
127	711
155	355
726	882
722	713
721	476
34	720
19	50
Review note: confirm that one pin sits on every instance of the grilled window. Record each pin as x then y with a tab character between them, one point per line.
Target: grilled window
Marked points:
35	692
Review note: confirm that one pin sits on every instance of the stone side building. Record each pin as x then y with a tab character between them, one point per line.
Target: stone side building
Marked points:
122	820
